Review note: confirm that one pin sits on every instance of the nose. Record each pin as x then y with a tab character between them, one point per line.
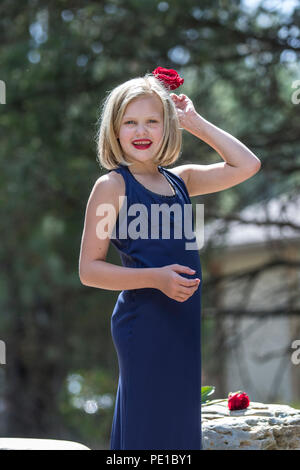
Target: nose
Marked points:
140	129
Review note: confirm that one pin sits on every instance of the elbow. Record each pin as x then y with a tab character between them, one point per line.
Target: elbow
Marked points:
258	165
255	167
83	281
82	276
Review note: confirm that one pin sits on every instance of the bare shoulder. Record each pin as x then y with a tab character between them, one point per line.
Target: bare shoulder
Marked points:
109	185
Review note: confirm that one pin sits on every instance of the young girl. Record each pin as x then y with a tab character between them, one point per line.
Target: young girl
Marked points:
155	324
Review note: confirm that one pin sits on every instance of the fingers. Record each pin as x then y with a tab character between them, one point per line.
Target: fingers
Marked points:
178	97
182	296
182	269
185	287
183	281
185	292
188	290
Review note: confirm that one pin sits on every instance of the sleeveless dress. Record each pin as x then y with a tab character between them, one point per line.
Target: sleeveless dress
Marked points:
157	339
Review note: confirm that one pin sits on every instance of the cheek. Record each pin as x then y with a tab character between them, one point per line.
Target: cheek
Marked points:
159	132
124	134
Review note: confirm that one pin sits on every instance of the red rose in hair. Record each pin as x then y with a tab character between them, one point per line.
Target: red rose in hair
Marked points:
238	401
169	77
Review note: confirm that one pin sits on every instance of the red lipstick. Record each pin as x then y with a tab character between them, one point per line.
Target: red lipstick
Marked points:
142	144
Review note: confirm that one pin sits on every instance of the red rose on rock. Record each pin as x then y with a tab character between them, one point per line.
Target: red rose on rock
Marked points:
169	77
238	401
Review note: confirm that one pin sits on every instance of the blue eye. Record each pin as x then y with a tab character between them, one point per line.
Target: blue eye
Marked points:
133	122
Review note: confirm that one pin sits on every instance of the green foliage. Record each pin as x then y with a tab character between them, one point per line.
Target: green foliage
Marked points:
87	404
206	391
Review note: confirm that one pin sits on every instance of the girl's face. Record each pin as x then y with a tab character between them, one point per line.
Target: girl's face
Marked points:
142	127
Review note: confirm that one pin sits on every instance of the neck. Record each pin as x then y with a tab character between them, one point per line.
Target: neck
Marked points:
140	168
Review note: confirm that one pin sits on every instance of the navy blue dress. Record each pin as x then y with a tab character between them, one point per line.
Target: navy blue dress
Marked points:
157	339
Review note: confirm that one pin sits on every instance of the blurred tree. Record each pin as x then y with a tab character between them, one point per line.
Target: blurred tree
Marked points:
58	61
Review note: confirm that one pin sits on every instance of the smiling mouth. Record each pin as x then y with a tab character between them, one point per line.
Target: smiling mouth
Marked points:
142	145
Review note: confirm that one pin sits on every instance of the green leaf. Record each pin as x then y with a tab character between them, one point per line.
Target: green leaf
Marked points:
206	391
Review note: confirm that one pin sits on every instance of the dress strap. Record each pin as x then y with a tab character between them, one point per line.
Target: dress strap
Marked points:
178	181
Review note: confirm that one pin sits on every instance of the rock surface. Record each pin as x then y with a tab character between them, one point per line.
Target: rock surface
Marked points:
258	427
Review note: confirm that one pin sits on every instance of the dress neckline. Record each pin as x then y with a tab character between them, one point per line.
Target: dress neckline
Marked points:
161	170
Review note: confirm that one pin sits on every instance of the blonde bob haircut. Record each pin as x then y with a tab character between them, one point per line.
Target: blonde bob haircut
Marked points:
109	151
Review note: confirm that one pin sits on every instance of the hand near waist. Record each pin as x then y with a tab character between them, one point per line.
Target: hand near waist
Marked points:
173	285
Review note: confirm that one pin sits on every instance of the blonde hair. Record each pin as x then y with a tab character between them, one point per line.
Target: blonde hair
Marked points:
109	150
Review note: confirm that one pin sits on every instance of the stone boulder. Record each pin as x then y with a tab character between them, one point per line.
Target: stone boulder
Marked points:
258	427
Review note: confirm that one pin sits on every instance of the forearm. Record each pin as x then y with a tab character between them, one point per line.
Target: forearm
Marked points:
104	275
233	152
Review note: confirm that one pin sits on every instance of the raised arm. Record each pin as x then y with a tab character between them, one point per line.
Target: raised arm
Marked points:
239	163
